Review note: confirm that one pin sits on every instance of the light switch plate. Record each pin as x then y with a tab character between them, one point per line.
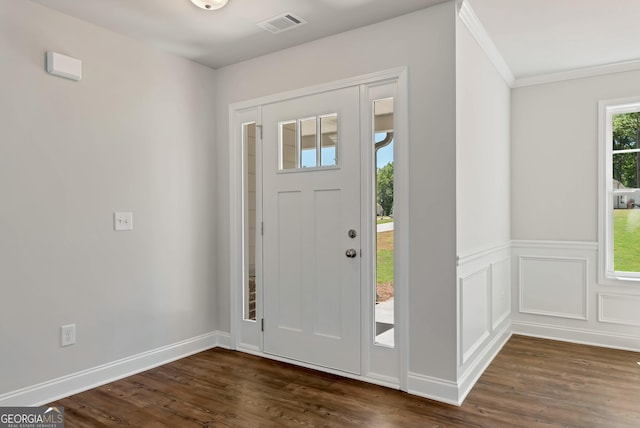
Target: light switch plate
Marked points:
122	221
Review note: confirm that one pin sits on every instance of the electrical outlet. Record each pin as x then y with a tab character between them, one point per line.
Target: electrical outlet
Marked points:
122	221
68	335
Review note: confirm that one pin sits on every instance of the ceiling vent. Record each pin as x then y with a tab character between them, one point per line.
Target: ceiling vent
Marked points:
281	23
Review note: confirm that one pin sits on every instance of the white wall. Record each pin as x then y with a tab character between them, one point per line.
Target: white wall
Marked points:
136	134
423	41
555	214
483	207
483	103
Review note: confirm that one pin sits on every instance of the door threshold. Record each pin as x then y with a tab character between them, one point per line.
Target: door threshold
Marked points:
375	379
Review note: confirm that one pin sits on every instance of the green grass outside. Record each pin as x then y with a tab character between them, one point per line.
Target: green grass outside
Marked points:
626	240
382	220
384	271
384	262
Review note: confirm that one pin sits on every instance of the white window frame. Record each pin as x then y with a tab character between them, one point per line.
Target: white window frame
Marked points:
606	109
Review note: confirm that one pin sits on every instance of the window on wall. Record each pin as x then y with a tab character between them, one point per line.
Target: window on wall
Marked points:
619	238
249	232
385	261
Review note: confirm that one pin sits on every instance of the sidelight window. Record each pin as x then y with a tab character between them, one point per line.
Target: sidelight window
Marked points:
384	243
249	232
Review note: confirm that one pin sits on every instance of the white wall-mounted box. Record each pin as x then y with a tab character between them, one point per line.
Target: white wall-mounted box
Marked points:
122	221
64	66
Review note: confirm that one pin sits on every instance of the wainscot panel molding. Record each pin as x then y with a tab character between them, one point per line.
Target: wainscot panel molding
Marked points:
52	390
621	309
473	292
455	393
474	305
484	315
500	292
553	286
481	362
556	295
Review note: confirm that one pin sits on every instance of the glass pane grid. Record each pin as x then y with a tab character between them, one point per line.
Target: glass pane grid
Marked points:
309	142
624	193
617	152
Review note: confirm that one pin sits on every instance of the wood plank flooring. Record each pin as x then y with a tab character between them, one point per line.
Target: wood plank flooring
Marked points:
531	383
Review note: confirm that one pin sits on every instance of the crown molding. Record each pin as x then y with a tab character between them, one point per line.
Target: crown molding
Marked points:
471	21
579	73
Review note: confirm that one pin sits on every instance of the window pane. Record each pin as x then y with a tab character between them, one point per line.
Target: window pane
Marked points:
625	170
625	180
329	139
288	145
249	292
385	259
625	131
626	240
309	156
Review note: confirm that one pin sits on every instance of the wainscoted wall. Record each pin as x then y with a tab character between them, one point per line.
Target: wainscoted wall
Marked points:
484	309
556	295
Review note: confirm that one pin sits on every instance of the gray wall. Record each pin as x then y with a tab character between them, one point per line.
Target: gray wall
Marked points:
425	42
483	171
554	156
558	292
136	134
483	208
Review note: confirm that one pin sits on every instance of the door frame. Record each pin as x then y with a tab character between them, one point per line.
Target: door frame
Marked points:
246	336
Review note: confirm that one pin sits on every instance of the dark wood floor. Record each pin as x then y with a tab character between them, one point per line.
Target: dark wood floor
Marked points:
531	383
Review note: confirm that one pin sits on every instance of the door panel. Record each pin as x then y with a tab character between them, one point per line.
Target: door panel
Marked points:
311	288
290	271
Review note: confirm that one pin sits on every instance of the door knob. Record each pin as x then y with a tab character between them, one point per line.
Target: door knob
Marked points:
351	253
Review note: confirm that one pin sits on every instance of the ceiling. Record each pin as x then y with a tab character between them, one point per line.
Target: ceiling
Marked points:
534	36
230	35
548	36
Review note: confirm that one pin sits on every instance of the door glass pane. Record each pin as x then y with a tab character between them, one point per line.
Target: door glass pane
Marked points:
328	140
309	142
384	287
249	291
308	158
288	145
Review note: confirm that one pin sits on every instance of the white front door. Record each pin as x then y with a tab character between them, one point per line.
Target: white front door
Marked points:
311	241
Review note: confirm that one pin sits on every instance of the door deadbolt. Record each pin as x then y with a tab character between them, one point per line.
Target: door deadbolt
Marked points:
352	233
351	253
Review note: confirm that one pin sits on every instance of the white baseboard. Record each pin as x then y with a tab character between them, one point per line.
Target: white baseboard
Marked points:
471	376
433	388
575	335
223	340
455	393
55	389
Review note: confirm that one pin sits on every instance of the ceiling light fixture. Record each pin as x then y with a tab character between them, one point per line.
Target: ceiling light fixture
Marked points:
210	4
